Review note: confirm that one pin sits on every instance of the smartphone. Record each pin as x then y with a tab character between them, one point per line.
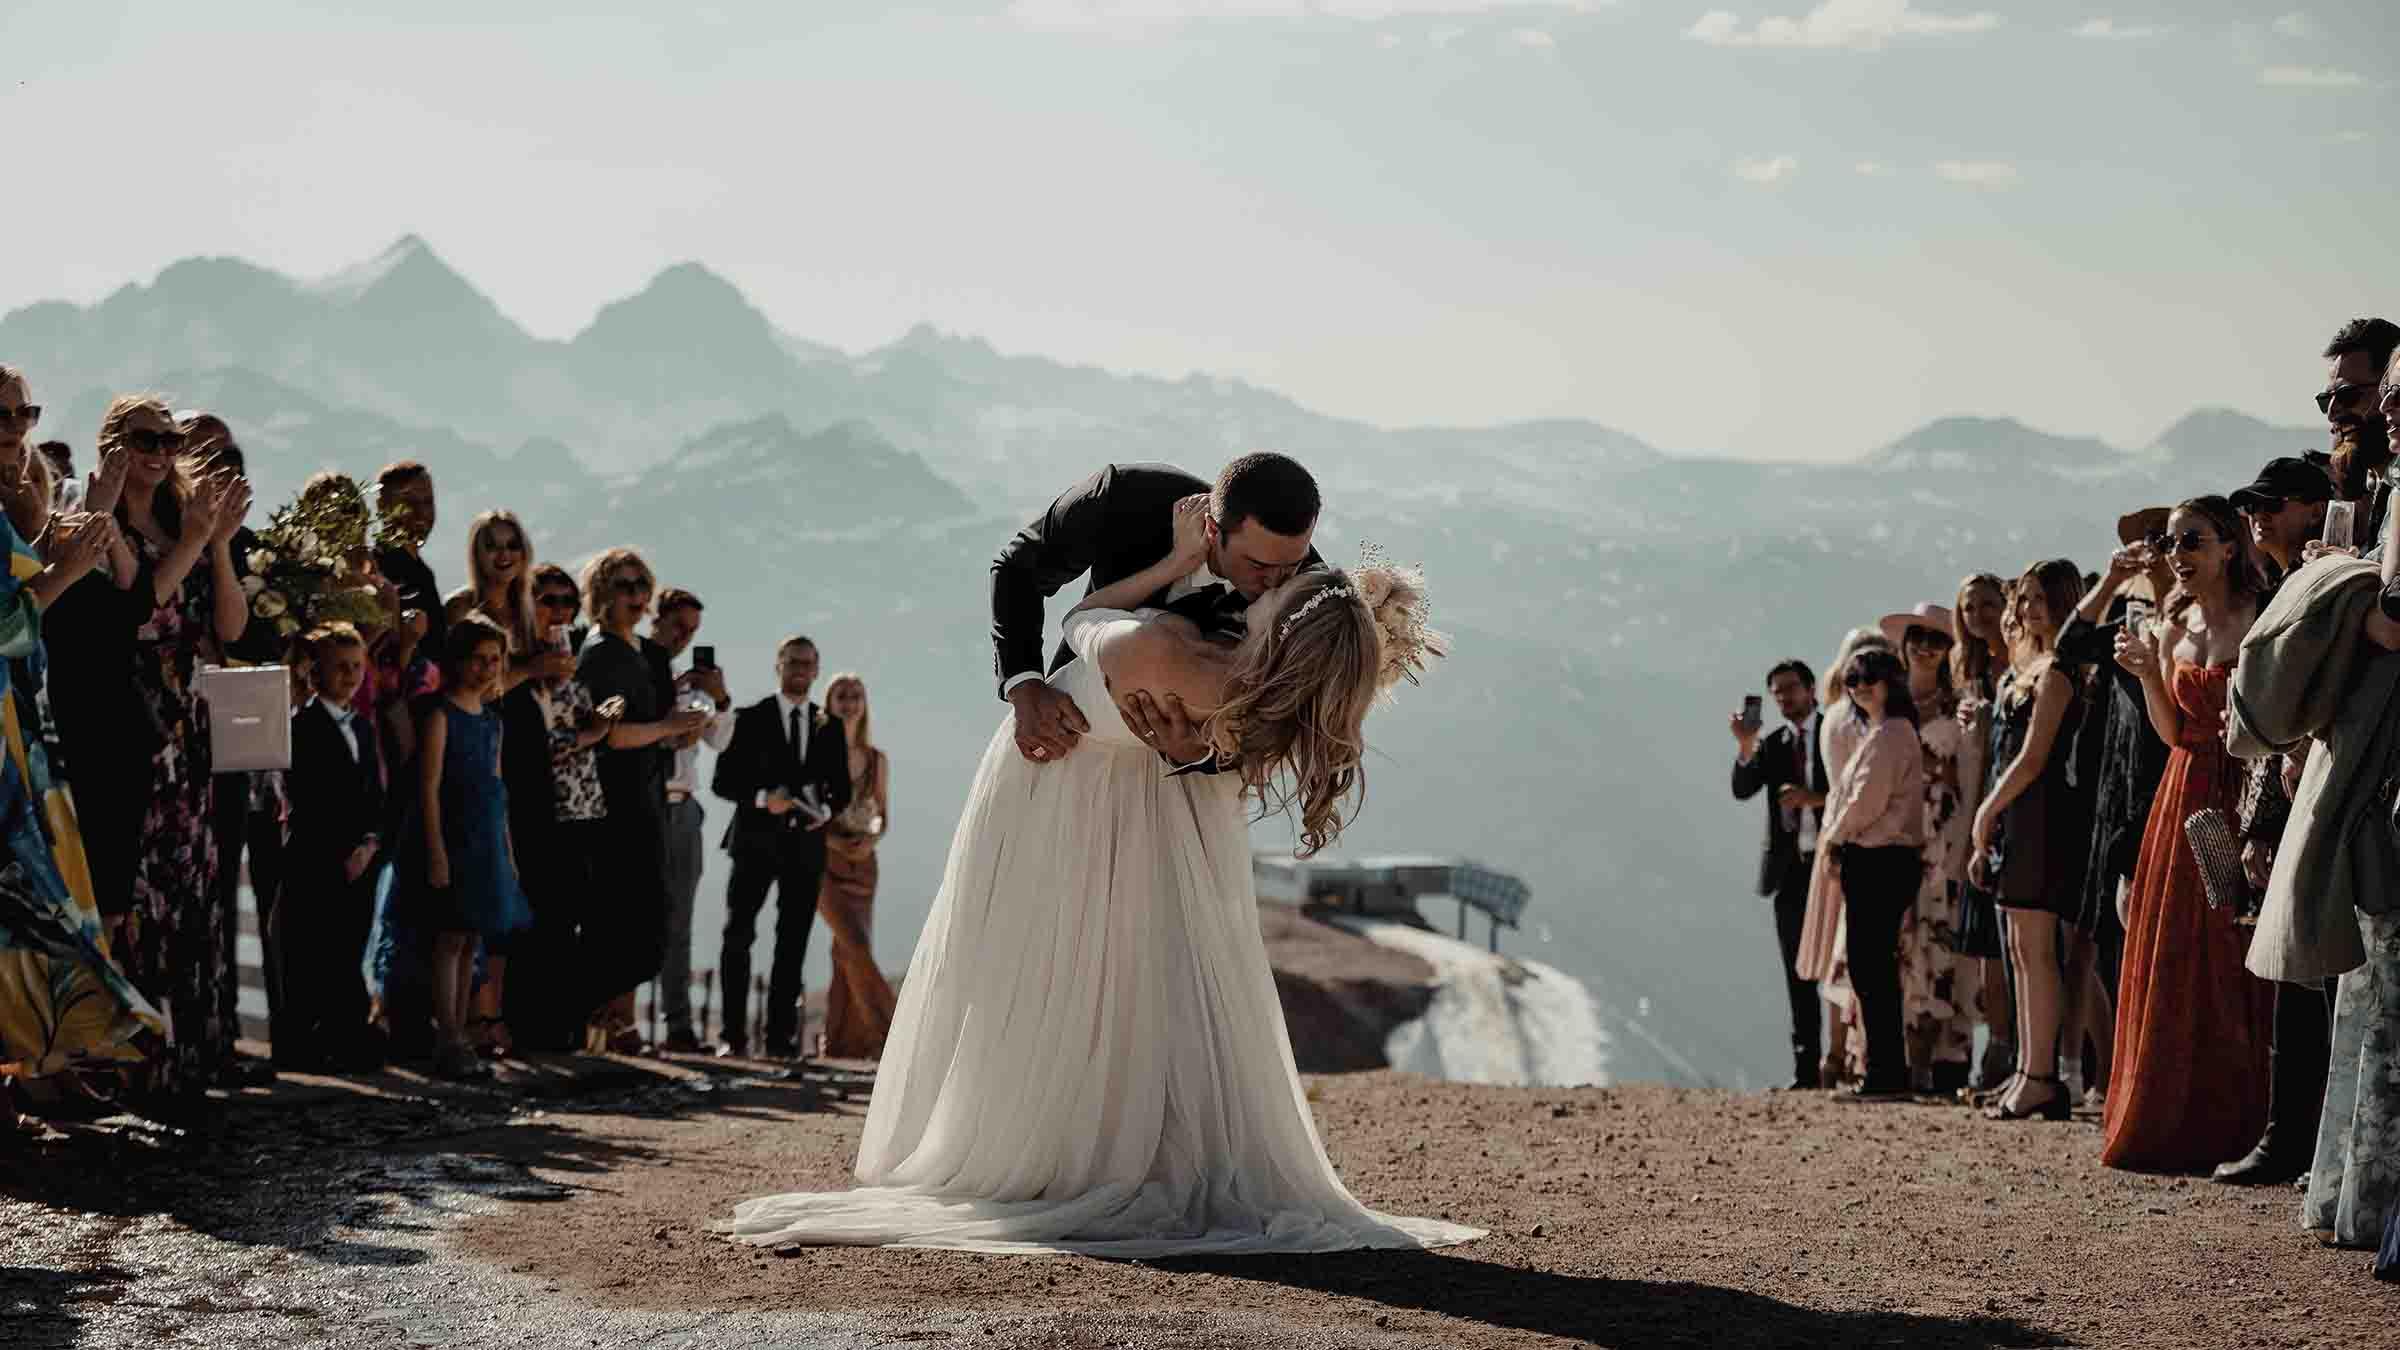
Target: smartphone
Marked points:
1753	710
2340	523
704	658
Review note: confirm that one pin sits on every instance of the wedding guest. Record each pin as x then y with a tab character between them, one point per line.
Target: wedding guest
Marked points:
1978	653
334	838
859	1002
28	509
67	1009
2285	509
1824	945
2190	1082
622	927
1937	984
1874	823
500	587
177	945
456	865
2030	836
2353	1194
1784	764
2361	458
671	633
404	494
787	773
558	815
66	491
2130	760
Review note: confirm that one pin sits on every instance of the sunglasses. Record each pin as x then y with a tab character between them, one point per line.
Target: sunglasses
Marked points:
23	415
558	600
152	442
2262	506
2344	394
505	545
2190	541
1859	680
632	585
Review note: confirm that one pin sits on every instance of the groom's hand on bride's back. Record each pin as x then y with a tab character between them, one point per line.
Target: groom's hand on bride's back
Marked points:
1048	722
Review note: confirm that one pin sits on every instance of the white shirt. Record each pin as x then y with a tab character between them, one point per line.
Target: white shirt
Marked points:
685	777
341	720
784	708
1807	733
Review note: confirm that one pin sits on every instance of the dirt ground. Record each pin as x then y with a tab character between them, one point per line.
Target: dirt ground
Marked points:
1634	1216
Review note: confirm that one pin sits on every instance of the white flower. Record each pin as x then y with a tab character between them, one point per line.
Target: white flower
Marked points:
310	545
263	559
253	584
270	605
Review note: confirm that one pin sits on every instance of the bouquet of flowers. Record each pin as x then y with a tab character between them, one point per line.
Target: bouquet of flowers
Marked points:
311	565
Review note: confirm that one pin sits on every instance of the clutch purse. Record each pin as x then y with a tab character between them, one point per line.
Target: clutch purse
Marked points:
249	716
2220	858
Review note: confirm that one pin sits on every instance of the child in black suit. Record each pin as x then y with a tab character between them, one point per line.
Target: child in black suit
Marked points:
328	901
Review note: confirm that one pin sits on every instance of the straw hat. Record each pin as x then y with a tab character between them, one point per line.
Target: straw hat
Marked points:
1935	617
2139	526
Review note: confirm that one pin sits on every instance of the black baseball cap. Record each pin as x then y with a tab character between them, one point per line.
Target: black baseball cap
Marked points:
2285	479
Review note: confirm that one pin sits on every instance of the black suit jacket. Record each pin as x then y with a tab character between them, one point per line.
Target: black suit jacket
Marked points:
1769	771
336	801
759	759
1111	525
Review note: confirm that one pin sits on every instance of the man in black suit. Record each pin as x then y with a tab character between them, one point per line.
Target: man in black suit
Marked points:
1790	767
1262	510
787	771
328	896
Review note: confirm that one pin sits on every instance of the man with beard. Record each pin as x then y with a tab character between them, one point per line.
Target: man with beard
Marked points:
2362	440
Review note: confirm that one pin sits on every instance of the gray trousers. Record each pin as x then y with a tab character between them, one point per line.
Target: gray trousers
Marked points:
684	854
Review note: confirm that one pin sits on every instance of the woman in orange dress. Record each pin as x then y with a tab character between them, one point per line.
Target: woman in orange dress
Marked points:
859	1002
2189	1087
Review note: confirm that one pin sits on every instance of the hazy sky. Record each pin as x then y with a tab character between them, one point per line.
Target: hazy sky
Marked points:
1779	231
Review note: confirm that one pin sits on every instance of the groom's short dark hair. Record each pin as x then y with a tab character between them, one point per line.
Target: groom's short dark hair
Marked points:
1269	488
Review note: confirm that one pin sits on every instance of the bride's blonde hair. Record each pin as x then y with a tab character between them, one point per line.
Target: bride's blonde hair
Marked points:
1297	698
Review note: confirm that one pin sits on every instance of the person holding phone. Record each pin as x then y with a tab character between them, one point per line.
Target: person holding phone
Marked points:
1785	764
700	690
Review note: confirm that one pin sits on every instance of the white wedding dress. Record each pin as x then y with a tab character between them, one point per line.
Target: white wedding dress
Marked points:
1089	1055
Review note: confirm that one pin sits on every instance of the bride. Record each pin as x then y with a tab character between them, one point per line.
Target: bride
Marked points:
1089	1056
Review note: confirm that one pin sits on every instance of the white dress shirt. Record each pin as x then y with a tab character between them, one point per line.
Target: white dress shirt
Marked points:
685	777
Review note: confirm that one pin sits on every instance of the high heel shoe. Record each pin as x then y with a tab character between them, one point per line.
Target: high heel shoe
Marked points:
2056	1108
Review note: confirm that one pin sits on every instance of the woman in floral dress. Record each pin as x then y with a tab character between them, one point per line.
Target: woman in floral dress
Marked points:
1938	987
178	945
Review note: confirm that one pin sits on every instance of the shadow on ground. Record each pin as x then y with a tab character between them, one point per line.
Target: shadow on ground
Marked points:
1611	1312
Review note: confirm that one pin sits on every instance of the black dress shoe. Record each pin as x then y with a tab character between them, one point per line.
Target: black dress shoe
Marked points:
782	1050
2259	1167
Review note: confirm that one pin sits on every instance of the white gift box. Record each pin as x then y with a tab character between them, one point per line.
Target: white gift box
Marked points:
249	716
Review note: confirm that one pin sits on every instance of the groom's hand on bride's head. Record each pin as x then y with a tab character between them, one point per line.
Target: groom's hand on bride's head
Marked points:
1048	722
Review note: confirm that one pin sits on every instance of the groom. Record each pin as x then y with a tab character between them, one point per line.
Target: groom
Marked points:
1115	523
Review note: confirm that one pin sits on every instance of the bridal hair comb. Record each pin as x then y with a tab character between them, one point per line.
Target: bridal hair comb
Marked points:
1292	620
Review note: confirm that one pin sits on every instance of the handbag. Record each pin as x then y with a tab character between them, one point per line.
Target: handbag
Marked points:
2220	858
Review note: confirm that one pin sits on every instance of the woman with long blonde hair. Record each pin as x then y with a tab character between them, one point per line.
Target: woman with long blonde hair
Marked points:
500	562
859	1001
1089	1055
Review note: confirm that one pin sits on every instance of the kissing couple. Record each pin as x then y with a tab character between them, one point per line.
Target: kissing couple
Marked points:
1089	1055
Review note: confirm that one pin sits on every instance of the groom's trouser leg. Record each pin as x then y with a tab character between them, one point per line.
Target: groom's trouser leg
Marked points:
1791	913
745	895
802	870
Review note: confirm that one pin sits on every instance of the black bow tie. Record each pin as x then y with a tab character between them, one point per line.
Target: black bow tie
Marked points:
1216	608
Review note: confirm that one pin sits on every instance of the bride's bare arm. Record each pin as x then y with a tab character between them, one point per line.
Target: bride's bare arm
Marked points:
1189	552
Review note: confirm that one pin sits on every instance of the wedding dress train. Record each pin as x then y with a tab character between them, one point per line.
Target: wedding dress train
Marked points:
1089	1055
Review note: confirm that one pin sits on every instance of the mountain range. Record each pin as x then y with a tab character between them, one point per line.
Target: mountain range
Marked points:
1612	599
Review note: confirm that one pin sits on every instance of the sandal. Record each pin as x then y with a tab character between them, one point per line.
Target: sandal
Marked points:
489	1036
2056	1108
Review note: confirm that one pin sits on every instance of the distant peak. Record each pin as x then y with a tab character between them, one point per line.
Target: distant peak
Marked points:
409	257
